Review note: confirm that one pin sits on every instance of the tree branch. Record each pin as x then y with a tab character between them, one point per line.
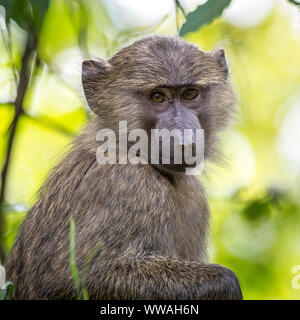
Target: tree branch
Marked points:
30	48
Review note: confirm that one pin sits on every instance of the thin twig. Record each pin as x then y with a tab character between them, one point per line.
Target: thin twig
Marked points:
30	48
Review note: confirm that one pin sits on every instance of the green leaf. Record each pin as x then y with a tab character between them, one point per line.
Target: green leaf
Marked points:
28	14
7	291
295	2
257	209
40	5
39	8
2	294
19	11
8	5
81	290
203	14
91	256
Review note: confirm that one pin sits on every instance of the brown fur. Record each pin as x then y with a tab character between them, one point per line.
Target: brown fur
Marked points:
152	226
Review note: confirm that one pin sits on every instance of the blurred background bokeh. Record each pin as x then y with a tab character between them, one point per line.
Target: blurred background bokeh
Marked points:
254	197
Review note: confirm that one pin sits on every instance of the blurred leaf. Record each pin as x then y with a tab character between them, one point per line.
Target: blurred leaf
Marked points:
131	33
28	14
203	14
6	292
39	8
297	3
12	223
8	5
257	209
17	207
276	195
261	207
41	5
178	4
18	10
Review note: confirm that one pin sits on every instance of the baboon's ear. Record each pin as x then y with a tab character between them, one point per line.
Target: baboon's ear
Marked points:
94	72
220	57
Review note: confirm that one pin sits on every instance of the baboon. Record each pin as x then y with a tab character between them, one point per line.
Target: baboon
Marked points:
152	220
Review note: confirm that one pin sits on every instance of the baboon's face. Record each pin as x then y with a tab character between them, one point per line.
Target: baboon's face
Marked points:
162	83
172	109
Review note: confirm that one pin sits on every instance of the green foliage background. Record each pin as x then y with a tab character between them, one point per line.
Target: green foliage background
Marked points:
254	198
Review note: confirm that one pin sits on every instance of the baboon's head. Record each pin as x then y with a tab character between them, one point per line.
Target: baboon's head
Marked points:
162	83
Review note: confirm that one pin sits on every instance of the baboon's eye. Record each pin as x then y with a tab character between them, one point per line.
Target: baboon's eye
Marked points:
190	94
158	97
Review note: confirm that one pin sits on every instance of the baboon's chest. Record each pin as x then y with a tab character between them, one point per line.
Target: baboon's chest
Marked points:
190	231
